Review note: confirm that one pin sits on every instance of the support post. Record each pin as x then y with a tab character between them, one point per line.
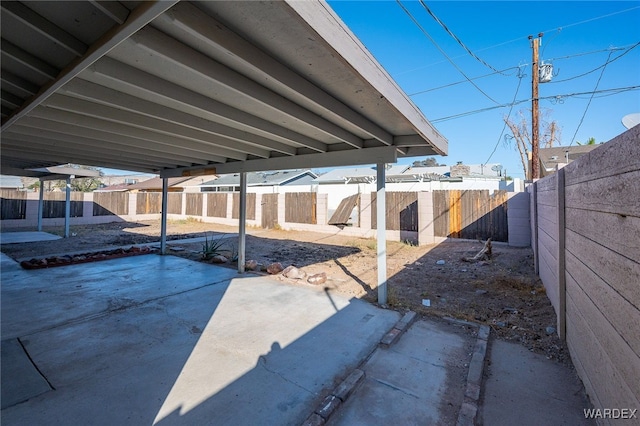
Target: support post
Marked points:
242	222
67	207
163	216
40	205
381	234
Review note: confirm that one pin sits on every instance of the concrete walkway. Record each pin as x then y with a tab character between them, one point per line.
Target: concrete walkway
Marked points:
26	237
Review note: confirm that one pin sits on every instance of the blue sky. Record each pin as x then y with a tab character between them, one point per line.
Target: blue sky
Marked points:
579	37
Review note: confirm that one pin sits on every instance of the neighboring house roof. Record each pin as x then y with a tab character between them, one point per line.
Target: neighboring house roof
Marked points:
404	173
115	188
551	157
359	174
156	183
10	182
278	178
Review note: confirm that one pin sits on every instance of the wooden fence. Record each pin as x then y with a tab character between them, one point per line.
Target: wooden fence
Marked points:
473	214
174	203
401	209
13	204
54	204
251	206
148	202
194	204
269	217
217	204
301	207
110	203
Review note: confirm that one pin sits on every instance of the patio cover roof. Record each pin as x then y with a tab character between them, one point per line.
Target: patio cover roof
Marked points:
181	88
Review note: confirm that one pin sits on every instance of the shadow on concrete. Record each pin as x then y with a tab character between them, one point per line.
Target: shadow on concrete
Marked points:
164	340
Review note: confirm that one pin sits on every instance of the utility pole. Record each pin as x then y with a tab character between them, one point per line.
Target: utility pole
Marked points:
535	126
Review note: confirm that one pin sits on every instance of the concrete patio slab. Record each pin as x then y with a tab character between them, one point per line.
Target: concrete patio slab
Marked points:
163	340
419	380
26	237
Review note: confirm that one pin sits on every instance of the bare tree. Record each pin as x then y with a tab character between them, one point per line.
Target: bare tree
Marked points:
520	133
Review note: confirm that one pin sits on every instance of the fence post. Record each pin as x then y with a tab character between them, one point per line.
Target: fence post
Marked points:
322	209
426	230
282	209
133	204
562	281
229	205
183	199
365	211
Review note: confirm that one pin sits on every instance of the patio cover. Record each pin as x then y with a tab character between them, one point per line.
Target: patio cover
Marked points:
174	87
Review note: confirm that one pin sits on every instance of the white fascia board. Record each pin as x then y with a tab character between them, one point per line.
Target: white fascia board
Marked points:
319	16
385	154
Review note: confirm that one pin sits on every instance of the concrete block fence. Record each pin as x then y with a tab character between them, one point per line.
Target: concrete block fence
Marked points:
424	236
586	239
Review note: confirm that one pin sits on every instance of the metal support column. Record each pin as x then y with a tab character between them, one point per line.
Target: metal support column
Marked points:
381	234
40	205
67	207
242	222
163	216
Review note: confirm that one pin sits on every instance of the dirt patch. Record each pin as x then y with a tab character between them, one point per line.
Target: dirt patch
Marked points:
503	293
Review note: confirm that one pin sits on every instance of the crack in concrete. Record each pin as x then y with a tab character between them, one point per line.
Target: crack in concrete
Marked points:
262	360
392	386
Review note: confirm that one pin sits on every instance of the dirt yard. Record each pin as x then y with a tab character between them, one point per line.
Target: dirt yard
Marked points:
503	293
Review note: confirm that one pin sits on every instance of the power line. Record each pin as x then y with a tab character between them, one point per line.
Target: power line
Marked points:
609	60
554	97
462	81
590	99
627	48
525	37
464	46
520	76
442	51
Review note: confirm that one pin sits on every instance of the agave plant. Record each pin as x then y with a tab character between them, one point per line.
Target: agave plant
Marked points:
212	247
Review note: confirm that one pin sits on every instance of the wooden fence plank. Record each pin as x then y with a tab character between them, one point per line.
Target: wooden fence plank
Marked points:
194	204
401	210
471	214
345	209
13	204
300	207
251	206
269	217
217	204
54	204
148	202
110	203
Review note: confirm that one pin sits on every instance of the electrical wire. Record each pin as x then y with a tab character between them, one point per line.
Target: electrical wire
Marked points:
608	92
520	77
463	81
629	47
609	60
590	99
526	37
464	46
443	52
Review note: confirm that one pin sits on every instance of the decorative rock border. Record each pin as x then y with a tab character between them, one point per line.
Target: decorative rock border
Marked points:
64	260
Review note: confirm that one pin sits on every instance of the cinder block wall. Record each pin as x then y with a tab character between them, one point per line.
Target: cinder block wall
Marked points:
589	261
